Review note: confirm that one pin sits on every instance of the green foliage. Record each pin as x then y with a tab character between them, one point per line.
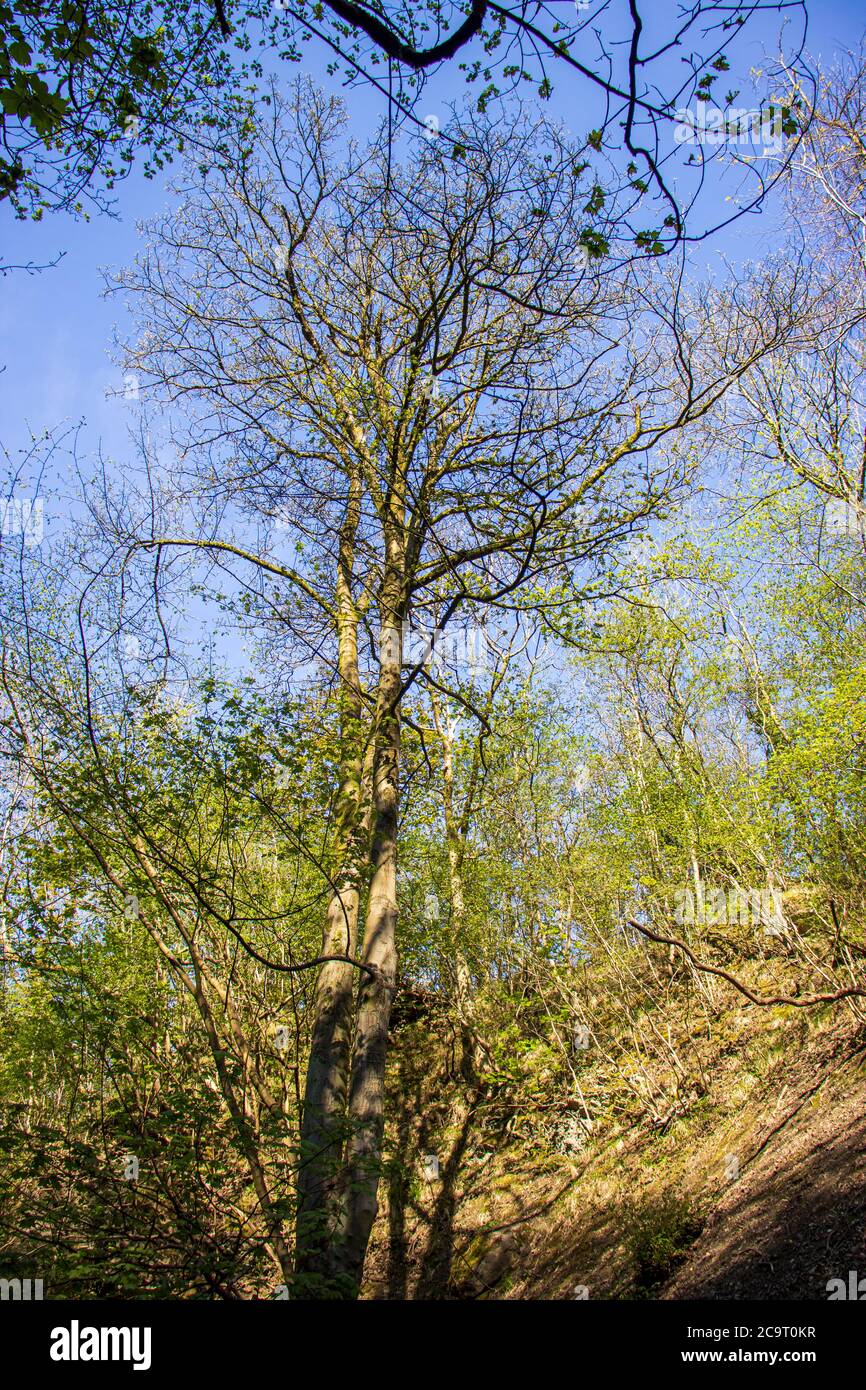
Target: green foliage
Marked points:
84	88
659	1232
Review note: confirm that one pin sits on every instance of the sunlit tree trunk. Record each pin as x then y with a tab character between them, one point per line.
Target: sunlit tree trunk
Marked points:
376	989
455	840
323	1125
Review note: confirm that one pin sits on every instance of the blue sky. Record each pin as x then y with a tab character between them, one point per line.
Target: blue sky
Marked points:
56	327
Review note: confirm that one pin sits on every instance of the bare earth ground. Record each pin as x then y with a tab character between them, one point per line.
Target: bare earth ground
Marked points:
797	1216
785	1114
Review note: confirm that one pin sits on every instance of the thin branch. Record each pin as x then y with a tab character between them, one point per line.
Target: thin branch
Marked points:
803	1002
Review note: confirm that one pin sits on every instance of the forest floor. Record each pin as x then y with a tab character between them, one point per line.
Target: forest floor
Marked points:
755	1189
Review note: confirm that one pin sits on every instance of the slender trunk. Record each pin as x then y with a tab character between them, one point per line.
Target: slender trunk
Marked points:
376	990
323	1126
246	1136
471	1057
323	1122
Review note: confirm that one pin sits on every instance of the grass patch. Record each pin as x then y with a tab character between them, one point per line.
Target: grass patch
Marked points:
659	1234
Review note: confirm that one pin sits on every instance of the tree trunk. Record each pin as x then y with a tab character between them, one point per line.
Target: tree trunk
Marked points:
471	1051
323	1122
376	991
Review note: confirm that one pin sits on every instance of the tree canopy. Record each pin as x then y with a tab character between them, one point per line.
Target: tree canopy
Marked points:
433	751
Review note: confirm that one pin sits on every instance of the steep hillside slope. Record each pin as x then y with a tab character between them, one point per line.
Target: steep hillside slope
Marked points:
752	1187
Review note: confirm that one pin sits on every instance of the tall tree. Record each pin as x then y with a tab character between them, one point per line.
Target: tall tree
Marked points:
422	372
85	89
